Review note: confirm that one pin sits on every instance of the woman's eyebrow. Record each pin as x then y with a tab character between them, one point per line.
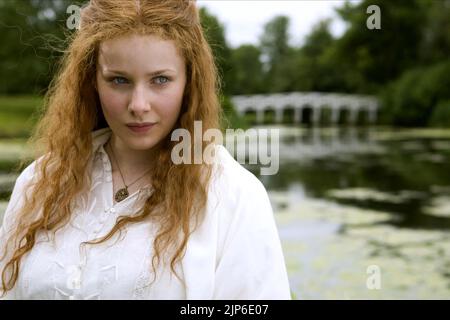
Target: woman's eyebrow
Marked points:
153	73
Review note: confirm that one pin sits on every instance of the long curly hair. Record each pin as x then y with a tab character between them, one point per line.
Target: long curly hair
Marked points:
62	139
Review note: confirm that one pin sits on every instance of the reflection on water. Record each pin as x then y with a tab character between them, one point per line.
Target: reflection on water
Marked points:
367	168
346	199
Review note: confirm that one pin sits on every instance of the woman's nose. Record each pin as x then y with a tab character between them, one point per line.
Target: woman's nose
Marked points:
140	102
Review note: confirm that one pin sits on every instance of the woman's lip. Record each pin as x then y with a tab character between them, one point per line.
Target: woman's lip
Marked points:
141	125
140	129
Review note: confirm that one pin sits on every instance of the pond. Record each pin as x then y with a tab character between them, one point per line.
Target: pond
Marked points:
350	201
362	213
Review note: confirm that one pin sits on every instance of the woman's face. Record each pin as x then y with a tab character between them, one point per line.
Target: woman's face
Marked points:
140	79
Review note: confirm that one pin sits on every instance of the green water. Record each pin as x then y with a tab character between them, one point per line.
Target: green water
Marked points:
350	199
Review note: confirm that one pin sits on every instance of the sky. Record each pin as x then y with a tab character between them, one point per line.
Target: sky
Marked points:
244	20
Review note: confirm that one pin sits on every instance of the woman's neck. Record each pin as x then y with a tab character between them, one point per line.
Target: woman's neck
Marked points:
130	162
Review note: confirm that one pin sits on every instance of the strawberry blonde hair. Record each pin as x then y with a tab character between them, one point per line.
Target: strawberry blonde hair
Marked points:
62	140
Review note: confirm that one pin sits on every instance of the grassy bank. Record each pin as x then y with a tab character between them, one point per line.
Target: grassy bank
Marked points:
18	115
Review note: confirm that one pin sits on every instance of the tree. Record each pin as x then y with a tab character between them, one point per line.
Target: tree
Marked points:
436	36
215	35
274	41
248	70
315	65
418	96
374	57
30	30
277	55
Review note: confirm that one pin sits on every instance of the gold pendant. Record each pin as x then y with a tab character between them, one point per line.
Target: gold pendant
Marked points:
121	194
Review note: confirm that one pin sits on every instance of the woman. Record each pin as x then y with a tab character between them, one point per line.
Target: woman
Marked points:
104	212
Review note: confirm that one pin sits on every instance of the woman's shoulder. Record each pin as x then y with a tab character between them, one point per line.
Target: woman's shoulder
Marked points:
233	170
29	173
19	191
233	180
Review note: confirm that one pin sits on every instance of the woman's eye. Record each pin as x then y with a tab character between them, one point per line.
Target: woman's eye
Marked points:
119	80
160	80
163	78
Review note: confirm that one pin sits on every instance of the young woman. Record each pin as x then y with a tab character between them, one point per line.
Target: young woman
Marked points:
103	212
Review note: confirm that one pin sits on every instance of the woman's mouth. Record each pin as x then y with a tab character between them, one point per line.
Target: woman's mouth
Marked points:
140	128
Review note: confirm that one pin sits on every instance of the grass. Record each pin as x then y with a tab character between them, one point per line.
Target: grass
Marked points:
17	115
24	105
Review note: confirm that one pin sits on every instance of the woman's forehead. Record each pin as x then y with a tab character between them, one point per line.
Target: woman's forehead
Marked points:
148	51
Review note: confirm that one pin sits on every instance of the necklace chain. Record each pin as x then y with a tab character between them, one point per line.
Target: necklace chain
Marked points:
122	194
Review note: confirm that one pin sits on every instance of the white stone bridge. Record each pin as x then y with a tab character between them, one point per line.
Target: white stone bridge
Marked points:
309	107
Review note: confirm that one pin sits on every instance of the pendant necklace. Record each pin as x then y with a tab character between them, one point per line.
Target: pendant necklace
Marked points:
122	194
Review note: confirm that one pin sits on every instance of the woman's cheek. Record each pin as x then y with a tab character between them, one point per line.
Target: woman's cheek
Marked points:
171	104
112	102
170	109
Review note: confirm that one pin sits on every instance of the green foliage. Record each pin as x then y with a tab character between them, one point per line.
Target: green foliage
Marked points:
230	119
314	66
30	30
373	57
215	35
18	115
441	114
411	100
248	70
435	45
278	55
274	41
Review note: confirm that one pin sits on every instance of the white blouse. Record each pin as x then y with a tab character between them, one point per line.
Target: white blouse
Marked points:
235	253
